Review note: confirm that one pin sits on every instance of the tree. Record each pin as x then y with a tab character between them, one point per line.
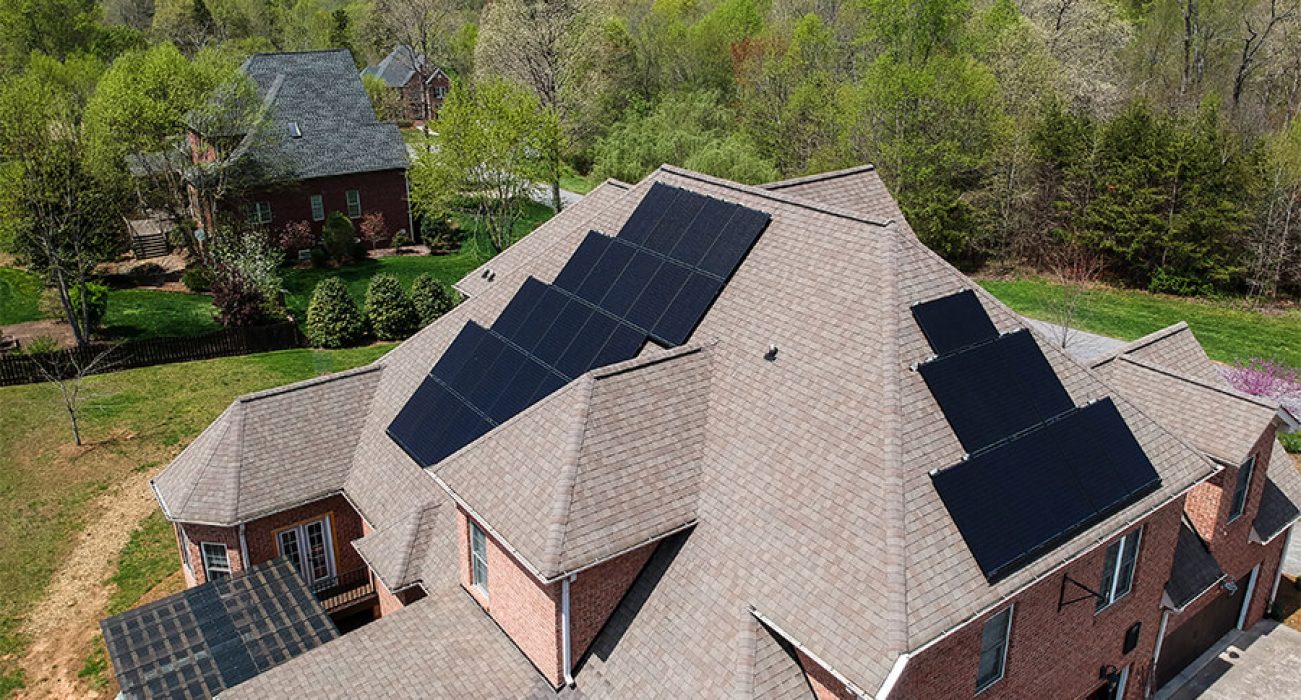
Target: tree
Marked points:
430	299
389	310
488	154
386	101
333	320
246	287
337	236
373	229
67	371
341	34
60	220
423	28
56	28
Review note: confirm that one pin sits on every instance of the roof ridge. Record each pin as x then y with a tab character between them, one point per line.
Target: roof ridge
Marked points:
896	544
818	177
563	496
239	464
1260	401
772	195
1140	343
311	382
417	519
294	53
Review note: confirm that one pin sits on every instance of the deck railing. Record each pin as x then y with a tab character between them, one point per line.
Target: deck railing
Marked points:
344	589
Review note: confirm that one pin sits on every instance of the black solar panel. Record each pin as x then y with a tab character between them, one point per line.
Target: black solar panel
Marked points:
1024	497
954	322
657	279
995	389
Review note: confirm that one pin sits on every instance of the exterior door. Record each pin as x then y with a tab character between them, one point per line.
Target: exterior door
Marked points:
1182	646
310	547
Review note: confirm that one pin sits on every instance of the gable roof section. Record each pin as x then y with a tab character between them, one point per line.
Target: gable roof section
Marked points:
1193	571
396	69
321	93
1278	503
397	553
1175	348
1220	422
607	464
858	189
269	451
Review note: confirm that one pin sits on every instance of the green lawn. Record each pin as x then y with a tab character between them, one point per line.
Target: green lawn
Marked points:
1229	331
20	296
148	313
575	182
447	269
136	420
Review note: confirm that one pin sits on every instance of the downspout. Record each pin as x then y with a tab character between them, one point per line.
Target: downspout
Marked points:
566	652
243	549
1156	653
412	233
1278	573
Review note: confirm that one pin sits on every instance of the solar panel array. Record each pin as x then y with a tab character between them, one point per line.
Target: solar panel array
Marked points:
196	643
1039	470
655	280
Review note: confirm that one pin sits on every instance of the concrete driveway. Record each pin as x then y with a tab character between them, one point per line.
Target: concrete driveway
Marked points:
1262	662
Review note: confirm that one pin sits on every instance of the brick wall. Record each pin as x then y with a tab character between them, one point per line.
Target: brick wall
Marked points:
228	536
384	192
595	592
524	608
1203	505
345	526
1055	653
825	686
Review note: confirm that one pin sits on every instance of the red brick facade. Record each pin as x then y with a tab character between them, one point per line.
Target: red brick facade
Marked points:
594	594
825	686
413	106
384	192
260	536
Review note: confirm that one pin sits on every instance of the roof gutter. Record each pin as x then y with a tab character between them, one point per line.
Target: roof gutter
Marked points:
153	485
896	672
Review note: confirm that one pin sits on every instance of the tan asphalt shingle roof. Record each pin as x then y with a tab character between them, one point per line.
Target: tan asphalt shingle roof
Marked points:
600	467
270	450
440	646
1217	420
777	673
397	552
813	482
1173	348
857	189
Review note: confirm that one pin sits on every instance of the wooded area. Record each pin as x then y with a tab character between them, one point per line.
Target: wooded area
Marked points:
1158	140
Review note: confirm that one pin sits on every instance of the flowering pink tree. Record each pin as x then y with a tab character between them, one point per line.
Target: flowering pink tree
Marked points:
373	230
295	236
1269	378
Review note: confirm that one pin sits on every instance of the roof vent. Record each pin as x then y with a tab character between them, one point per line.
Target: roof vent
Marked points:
771	355
294	131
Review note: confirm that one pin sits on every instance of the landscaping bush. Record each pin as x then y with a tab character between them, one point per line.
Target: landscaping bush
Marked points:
430	299
319	257
197	278
339	237
239	302
333	320
51	306
295	236
389	309
440	234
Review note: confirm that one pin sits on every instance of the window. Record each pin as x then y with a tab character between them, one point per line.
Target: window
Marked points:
259	213
440	92
1118	569
1242	488
185	549
993	649
318	208
310	548
215	562
354	204
478	558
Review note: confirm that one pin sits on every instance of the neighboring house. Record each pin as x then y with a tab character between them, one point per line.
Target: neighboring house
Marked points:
697	439
326	149
422	86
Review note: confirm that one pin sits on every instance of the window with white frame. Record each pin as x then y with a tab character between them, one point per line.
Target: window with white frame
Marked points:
1118	569
185	549
478	558
1242	488
354	204
216	563
440	91
318	208
259	213
993	649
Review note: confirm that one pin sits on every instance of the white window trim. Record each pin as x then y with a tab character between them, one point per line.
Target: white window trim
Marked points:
203	553
302	563
348	197
1111	596
1002	659
1250	467
481	585
255	216
185	551
318	207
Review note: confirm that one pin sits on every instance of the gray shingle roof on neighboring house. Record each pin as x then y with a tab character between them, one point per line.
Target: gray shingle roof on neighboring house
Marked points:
321	94
269	451
1193	572
397	69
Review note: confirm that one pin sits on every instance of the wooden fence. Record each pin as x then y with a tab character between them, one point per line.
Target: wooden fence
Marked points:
21	369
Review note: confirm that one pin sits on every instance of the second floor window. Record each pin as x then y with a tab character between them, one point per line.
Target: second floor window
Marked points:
259	213
1242	488
318	208
993	649
216	563
354	204
1118	569
478	558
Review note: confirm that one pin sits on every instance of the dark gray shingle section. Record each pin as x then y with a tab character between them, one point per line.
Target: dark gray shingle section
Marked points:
321	92
1277	512
396	68
1194	569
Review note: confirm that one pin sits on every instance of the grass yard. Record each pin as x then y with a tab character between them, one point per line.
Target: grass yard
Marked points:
20	295
147	313
1229	331
135	421
447	269
574	182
